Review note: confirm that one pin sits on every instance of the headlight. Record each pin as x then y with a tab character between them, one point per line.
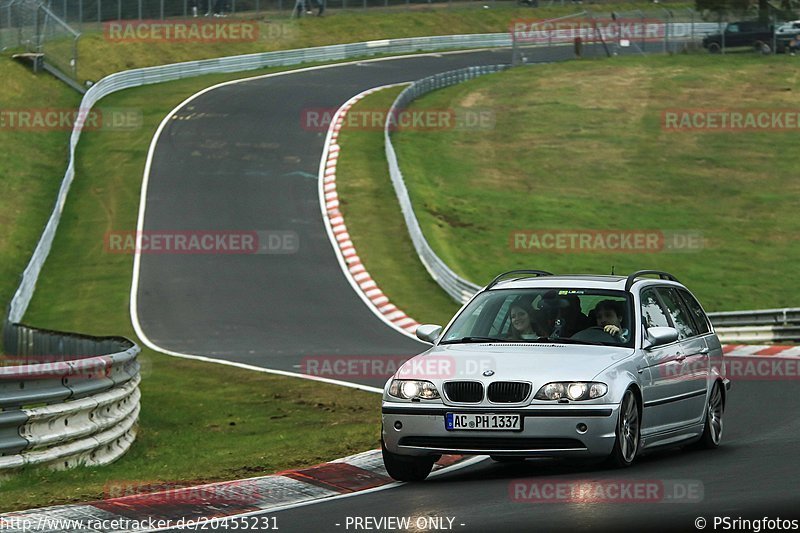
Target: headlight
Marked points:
573	390
409	389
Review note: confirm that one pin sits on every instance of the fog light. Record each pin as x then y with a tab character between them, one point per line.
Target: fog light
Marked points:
398	425
582	428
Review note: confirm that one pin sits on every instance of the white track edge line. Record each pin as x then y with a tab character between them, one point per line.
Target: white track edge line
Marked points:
133	306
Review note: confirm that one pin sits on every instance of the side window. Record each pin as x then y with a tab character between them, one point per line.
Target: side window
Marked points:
653	316
501	324
700	318
732	28
680	316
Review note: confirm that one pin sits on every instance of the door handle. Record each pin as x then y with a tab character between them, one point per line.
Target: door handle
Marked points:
703	351
680	357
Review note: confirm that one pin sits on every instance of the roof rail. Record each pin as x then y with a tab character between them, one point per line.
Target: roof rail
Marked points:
661	274
504	274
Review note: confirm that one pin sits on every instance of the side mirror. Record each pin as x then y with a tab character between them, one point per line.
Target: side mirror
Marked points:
430	332
659	337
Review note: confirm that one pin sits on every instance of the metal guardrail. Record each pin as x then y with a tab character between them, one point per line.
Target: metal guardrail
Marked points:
68	399
763	325
773	317
144	76
457	287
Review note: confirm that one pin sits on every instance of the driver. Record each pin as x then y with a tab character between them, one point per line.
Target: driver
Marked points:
608	314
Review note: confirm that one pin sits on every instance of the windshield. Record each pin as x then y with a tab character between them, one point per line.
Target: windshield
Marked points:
579	316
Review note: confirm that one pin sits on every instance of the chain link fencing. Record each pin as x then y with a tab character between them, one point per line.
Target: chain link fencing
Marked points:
30	26
592	34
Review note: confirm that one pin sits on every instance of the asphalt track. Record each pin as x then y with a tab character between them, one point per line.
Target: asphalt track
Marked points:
752	475
238	158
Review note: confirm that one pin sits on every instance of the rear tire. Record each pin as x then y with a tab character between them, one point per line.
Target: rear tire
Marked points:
407	467
714	48
628	431
715	407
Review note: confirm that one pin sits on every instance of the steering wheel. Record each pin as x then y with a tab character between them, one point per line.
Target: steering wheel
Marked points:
595	334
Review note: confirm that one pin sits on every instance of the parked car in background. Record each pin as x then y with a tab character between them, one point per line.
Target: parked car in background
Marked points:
785	34
748	33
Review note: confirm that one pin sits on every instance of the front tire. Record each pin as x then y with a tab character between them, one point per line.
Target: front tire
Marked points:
406	467
715	407
628	431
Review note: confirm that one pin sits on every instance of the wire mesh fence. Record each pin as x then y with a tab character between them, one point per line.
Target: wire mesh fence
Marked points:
592	34
30	26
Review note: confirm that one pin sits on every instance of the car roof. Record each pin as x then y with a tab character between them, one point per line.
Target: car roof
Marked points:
572	281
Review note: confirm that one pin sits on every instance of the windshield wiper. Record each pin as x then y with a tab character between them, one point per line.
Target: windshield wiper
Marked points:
473	339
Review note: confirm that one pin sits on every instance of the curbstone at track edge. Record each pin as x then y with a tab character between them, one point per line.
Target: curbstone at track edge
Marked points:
350	262
349	475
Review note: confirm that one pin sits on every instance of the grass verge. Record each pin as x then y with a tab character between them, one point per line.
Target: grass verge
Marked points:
199	422
31	166
580	146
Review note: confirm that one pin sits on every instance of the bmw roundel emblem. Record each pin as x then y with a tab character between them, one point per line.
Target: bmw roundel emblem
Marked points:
488	373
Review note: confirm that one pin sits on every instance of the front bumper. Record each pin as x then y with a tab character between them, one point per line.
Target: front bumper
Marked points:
547	431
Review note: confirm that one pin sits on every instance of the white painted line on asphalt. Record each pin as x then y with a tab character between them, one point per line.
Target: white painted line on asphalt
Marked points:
143	208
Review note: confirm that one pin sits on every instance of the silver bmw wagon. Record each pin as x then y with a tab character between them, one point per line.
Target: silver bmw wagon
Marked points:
538	365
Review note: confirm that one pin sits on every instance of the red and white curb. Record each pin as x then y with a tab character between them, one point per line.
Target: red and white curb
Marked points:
215	501
747	350
349	260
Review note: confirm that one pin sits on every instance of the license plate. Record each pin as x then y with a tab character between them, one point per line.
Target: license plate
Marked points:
482	422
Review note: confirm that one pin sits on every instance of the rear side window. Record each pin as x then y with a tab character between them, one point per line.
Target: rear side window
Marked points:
700	318
653	315
680	316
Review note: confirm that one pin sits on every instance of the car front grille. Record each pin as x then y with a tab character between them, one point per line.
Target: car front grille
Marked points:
464	391
508	391
491	443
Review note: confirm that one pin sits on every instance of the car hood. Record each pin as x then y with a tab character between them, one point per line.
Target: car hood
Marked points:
539	363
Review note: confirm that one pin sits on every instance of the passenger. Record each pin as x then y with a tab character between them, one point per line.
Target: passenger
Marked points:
524	323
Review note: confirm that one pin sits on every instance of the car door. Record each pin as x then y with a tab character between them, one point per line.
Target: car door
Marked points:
716	365
662	386
693	363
